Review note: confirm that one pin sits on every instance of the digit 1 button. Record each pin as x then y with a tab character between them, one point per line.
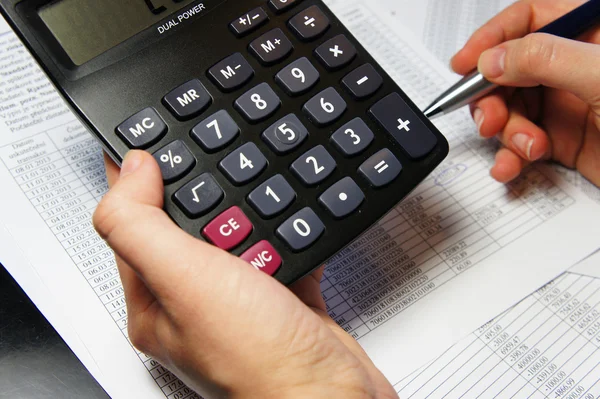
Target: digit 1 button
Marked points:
271	47
381	169
199	196
258	104
326	107
285	135
309	24
229	229
215	132
263	257
142	129
298	77
343	198
314	166
175	161
353	138
272	197
336	53
188	100
231	73
301	230
244	164
363	82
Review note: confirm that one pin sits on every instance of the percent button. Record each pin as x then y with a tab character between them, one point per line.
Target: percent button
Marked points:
175	161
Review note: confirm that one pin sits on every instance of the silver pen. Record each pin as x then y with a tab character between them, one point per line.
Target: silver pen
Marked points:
474	86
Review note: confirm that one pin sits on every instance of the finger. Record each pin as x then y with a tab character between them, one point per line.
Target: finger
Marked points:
541	59
490	115
308	290
508	166
112	170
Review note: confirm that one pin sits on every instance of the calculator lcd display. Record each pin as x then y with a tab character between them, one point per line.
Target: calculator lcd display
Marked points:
88	28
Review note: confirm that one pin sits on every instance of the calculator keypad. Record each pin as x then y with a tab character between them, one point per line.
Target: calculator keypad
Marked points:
272	197
353	138
326	107
314	166
231	73
142	129
244	164
285	135
271	47
175	161
199	196
309	24
298	77
188	100
216	131
336	53
363	82
258	103
301	230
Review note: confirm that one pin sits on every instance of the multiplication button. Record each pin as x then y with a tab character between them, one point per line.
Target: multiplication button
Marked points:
381	169
142	129
336	53
199	196
175	161
343	198
301	230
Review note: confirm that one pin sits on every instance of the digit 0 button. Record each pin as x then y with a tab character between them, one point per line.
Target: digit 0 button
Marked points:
229	229
142	129
301	230
188	100
263	257
175	161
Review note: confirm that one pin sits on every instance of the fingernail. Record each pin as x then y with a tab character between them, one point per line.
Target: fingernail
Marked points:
491	63
524	143
131	163
479	118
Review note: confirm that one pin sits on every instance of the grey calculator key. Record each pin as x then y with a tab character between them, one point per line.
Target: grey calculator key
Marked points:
285	135
343	198
244	164
216	131
301	230
271	47
381	169
314	166
283	5
249	22
232	72
175	161
258	103
400	121
188	100
326	107
199	196
336	53
309	23
363	82
353	138
272	197
298	77
142	129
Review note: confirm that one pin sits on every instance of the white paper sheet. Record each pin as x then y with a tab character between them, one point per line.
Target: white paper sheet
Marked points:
589	266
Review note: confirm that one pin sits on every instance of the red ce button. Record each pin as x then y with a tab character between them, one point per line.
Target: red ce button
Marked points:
229	229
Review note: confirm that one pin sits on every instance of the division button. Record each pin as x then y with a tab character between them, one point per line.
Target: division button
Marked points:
283	5
229	229
353	138
258	103
301	230
199	196
298	77
231	73
215	132
285	135
314	166
309	24
249	22
399	120
381	169
175	161
326	107
244	164
272	197
343	198
188	100
271	47
336	53
142	129
363	82
263	257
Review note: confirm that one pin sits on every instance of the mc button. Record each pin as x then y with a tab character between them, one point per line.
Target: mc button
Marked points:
142	129
229	229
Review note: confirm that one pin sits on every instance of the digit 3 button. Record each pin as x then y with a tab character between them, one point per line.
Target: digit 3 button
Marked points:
175	161
301	230
229	229
353	138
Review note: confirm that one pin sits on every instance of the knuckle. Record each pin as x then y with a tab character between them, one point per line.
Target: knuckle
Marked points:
537	53
107	216
139	336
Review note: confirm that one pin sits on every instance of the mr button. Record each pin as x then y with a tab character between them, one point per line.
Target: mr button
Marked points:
229	229
142	129
188	100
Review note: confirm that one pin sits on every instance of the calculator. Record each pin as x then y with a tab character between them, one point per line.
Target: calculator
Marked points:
279	137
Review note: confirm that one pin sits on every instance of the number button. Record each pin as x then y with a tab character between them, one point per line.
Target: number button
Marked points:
326	107
175	161
215	132
314	166
309	24
336	53
142	129
231	73
301	230
343	198
285	135
188	100
272	197
258	103
381	169
244	164
353	138
199	196
298	77
271	47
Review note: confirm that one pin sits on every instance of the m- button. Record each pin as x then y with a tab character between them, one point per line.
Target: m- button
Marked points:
142	129
231	73
229	229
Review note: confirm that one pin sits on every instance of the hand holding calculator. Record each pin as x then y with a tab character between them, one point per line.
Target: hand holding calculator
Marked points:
278	136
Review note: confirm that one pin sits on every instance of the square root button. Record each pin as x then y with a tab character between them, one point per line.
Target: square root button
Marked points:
229	229
263	257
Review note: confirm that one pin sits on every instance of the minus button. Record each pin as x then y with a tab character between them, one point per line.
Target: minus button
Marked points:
363	82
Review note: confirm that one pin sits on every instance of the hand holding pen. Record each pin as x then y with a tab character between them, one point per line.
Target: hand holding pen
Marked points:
548	105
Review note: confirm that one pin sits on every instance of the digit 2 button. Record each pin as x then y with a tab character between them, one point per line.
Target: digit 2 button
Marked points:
314	166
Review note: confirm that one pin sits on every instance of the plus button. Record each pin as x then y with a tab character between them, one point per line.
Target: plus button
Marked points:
403	125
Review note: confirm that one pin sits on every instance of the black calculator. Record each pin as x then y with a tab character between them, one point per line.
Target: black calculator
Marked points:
280	139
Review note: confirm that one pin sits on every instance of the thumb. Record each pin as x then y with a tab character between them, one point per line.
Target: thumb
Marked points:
542	59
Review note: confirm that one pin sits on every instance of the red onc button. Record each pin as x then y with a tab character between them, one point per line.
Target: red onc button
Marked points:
229	229
263	257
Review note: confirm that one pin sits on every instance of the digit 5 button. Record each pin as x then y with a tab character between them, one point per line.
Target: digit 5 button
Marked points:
229	229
